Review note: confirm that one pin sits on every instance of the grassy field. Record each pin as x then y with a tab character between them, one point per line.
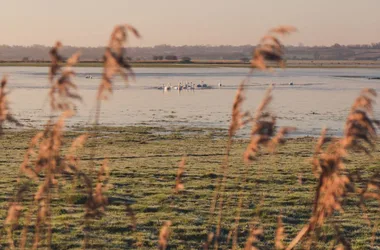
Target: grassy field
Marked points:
144	163
217	63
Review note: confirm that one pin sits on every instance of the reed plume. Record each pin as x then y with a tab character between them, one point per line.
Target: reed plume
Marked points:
210	237
56	59
13	215
254	233
238	120
238	117
164	235
270	48
115	59
334	180
262	134
283	30
72	160
359	124
62	91
5	114
263	129
180	172
96	200
44	163
279	236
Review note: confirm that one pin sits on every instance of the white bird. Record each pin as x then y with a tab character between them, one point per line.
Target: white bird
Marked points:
168	87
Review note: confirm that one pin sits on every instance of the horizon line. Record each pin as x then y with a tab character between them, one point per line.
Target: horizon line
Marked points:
195	45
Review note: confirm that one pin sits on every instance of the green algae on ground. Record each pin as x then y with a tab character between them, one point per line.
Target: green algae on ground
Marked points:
144	162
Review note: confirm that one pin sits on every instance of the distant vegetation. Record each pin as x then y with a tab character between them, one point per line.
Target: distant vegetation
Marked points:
37	53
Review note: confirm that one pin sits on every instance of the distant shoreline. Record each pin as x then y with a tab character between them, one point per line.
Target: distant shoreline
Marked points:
215	64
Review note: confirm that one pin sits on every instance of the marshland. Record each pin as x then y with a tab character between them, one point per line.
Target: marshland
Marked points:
317	98
127	156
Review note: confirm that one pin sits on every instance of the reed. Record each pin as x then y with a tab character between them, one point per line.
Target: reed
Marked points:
270	49
5	114
62	91
334	179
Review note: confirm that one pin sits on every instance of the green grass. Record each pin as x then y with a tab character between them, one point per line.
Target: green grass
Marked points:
143	164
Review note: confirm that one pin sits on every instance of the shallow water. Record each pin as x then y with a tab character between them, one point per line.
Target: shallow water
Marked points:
318	98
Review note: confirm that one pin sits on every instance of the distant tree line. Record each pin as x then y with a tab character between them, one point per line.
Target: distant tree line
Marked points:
199	52
168	57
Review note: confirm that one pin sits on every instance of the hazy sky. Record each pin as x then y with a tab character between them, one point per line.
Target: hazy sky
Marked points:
190	22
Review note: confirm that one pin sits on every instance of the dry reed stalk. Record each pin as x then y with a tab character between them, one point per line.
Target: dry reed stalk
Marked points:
11	221
210	238
132	216
263	129
270	48
341	241
26	167
254	233
24	232
238	117
334	180
180	172
71	159
114	62
279	236
48	162
237	122
235	233
62	92
164	235
262	133
43	163
45	146
5	114
56	59
114	59
283	30
96	200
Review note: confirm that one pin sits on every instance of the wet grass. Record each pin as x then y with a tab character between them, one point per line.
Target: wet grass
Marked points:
144	161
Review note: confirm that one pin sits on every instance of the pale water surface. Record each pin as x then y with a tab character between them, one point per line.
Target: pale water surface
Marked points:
318	98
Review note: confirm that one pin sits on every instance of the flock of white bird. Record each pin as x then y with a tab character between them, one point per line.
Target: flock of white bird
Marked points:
180	86
186	86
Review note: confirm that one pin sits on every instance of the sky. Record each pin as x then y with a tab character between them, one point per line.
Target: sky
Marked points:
188	22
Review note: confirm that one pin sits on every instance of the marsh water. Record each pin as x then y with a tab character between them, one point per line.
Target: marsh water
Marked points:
317	98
